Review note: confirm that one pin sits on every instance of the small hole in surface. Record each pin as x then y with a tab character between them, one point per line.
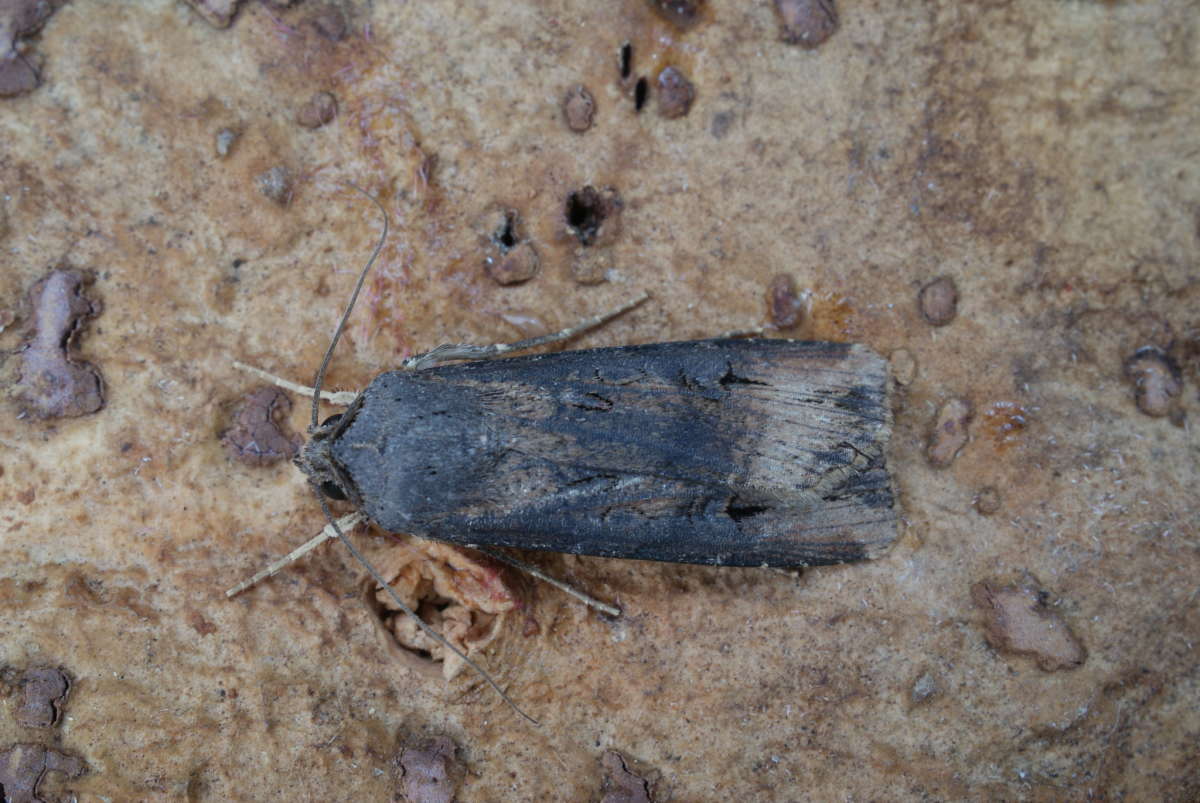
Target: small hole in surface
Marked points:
585	213
626	60
506	235
640	94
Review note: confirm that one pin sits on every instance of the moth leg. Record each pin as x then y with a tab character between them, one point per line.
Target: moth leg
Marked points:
345	522
467	351
591	602
342	397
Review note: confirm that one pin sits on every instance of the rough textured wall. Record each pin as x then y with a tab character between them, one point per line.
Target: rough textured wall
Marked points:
1032	635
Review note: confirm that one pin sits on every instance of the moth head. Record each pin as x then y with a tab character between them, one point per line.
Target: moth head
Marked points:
317	462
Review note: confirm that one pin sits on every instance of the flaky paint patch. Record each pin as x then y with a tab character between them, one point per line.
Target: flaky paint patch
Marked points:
458	593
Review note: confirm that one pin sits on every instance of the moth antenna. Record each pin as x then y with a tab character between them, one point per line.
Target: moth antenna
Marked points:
362	277
429	631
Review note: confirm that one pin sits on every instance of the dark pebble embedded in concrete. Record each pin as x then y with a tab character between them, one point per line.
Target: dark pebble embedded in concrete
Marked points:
987	501
621	783
1018	620
51	382
1157	380
431	771
807	23
903	366
256	436
579	108
45	691
675	93
938	301
24	767
519	264
949	433
785	308
276	184
319	110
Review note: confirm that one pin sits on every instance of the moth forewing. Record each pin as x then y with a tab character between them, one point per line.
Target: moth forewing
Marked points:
725	452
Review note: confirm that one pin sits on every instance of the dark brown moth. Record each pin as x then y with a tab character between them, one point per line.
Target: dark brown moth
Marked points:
719	452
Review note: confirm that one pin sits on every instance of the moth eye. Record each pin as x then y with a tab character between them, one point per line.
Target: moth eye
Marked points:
331	490
333	419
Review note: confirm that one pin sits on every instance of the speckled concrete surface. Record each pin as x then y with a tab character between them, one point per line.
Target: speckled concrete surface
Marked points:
1032	635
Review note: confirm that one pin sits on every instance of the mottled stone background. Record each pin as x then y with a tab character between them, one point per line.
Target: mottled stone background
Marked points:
1033	634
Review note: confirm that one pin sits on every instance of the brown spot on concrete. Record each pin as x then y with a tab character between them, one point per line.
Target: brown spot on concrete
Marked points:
579	108
938	301
785	308
51	382
256	437
987	501
45	691
319	110
966	173
1156	378
430	771
621	783
683	14
19	19
27	496
1003	422
276	184
593	216
329	22
949	433
130	598
675	93
23	767
1018	620
197	622
807	23
218	13
720	125
81	592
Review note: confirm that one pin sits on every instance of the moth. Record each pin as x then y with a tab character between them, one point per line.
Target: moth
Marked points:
720	452
725	452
